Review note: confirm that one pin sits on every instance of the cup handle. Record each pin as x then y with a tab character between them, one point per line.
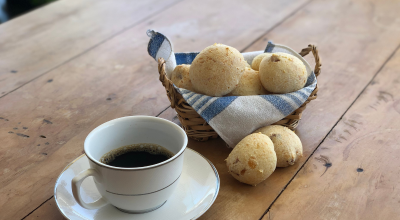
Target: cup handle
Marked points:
76	185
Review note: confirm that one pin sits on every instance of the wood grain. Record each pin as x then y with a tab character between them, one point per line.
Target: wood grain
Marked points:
350	57
37	42
43	213
363	150
343	77
344	50
114	79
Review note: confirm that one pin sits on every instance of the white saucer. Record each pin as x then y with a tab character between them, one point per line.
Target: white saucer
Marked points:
197	190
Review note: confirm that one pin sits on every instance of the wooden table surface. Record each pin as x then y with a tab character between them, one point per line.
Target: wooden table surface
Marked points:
73	65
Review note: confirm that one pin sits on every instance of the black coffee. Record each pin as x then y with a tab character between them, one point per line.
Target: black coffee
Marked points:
136	155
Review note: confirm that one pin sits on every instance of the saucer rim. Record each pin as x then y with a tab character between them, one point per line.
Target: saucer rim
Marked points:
218	181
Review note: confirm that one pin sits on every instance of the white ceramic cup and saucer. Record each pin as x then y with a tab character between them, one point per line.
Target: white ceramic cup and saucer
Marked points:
133	190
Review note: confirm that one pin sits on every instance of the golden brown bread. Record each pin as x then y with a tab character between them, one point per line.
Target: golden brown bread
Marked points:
249	84
257	60
282	73
252	160
287	144
180	77
216	70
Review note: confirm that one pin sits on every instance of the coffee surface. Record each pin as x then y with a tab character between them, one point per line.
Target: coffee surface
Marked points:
136	155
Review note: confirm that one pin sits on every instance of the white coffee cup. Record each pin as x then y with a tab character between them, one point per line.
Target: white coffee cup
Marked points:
132	190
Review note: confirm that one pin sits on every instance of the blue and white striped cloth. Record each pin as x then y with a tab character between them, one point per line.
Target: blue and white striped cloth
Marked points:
234	117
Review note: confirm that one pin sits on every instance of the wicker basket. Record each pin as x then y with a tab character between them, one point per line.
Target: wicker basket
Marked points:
197	128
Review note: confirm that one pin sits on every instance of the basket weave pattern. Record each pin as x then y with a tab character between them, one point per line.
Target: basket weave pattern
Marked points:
197	128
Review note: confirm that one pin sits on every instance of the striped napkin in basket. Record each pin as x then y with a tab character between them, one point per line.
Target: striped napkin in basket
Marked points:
234	117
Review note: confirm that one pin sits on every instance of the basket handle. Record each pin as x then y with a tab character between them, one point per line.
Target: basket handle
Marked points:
168	85
313	48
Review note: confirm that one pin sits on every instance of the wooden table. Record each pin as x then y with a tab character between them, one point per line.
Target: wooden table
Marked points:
73	65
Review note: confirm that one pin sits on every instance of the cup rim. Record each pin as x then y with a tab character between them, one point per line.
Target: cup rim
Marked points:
105	124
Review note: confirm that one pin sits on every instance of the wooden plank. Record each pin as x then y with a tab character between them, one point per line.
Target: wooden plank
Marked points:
115	79
344	76
37	42
43	212
343	67
363	151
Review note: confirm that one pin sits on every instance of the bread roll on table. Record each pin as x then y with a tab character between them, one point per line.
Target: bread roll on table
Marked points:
252	160
287	144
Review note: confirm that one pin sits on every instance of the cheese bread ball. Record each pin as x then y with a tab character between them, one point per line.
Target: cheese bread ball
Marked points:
282	73
287	144
180	77
252	160
216	70
247	65
257	60
249	84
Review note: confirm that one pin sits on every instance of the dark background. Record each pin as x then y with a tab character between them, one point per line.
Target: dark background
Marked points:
10	9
